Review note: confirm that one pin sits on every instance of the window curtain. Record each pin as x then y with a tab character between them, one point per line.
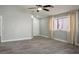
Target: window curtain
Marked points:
51	26
72	16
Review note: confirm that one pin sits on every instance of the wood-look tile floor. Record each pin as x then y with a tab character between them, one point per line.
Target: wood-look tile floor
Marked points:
38	45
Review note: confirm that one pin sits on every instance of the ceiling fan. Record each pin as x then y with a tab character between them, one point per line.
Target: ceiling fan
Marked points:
42	7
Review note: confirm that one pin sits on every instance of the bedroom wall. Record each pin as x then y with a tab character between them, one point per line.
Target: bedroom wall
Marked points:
17	25
44	27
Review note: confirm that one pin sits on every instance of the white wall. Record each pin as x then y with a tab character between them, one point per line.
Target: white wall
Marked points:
35	27
17	25
44	27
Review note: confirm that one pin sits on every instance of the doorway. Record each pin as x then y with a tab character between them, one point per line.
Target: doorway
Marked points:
35	27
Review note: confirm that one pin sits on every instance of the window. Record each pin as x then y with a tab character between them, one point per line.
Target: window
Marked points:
61	23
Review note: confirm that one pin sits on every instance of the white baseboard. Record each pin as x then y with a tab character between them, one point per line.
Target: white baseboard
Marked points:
27	38
44	36
61	40
77	44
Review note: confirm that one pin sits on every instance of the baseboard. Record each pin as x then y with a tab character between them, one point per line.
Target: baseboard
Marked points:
61	40
27	38
44	36
77	44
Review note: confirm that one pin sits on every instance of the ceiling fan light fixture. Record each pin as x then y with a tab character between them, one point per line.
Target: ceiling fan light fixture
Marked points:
39	8
32	16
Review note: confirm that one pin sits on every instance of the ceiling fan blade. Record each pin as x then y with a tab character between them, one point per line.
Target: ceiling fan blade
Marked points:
48	6
32	8
46	9
39	5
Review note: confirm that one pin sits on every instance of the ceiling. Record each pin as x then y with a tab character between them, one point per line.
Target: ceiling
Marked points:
53	11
